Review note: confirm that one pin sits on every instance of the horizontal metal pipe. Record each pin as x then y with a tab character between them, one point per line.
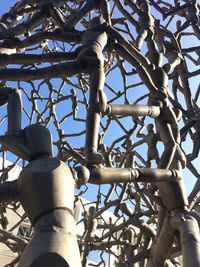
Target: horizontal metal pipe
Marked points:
33	58
109	175
134	110
124	175
152	175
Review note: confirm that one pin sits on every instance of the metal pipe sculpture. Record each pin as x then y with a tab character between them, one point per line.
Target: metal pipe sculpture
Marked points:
41	180
173	194
151	138
144	195
91	58
49	206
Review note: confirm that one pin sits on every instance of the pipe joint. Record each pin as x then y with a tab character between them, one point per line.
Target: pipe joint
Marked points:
134	174
154	111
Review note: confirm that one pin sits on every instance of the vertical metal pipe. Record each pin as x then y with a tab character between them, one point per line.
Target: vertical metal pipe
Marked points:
190	242
163	244
14	112
97	79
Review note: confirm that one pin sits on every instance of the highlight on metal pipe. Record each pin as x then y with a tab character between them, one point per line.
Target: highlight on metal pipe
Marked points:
133	110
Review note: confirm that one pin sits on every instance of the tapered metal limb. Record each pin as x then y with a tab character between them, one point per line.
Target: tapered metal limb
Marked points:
194	195
188	228
182	69
97	79
151	139
162	213
196	148
91	56
174	198
169	143
14	107
146	78
195	215
14	113
116	175
145	23
57	71
173	194
163	244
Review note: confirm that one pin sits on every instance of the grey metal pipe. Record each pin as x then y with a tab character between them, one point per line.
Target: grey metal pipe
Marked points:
14	112
163	244
124	175
190	242
110	175
134	110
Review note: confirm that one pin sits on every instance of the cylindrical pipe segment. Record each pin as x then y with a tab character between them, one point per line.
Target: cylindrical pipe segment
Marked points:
134	110
124	175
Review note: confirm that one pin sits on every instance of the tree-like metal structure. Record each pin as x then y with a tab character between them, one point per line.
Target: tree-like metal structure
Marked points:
116	85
